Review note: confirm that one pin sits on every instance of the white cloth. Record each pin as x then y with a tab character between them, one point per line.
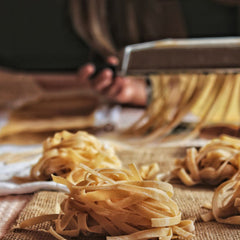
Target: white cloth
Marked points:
7	171
115	116
102	116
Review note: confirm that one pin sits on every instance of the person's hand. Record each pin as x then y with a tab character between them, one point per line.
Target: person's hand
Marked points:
84	74
124	90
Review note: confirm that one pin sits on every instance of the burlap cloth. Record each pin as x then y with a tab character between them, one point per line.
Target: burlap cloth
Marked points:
188	199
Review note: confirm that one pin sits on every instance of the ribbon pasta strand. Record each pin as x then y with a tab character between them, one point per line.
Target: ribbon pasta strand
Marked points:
119	205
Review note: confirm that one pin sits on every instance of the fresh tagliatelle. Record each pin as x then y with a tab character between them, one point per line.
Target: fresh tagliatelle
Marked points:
63	153
212	98
225	203
214	163
118	204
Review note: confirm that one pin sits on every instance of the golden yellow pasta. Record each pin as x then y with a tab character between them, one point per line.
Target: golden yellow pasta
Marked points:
212	98
149	171
214	163
63	153
226	203
120	205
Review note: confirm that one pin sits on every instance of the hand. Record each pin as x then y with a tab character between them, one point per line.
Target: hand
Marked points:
124	90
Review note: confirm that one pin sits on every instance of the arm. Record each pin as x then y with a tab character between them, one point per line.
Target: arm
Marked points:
123	90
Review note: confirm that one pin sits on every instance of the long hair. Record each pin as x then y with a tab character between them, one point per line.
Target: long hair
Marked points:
108	25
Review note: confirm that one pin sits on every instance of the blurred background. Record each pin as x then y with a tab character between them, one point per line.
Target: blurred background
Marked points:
38	35
44	44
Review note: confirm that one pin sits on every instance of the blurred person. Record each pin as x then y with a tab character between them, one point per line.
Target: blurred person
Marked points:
106	26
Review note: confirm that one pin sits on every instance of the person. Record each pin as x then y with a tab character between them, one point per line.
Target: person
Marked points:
91	21
107	26
98	23
118	89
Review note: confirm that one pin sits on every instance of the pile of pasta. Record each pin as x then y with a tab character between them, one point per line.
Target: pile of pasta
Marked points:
217	163
118	204
214	163
63	153
225	207
212	98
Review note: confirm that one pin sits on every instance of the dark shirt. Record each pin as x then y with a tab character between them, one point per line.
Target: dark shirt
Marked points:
37	35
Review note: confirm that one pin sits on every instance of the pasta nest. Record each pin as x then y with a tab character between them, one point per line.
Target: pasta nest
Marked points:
225	203
63	153
117	204
214	163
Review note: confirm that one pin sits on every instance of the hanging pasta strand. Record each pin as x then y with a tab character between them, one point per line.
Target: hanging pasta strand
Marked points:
230	85
217	90
232	109
161	109
211	97
181	110
168	106
178	95
152	112
203	102
163	125
219	108
238	92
